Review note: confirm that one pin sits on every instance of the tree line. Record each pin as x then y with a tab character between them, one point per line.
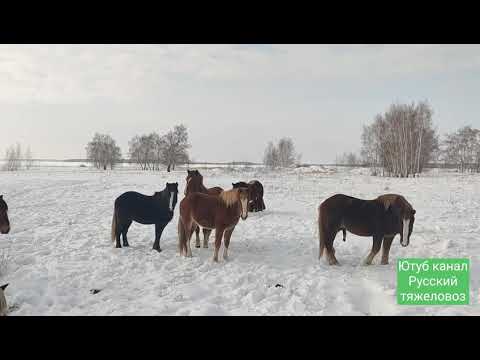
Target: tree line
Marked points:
281	155
149	151
16	158
403	140
461	149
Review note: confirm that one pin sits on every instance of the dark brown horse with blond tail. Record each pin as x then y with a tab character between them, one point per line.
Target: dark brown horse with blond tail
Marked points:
221	213
195	184
381	218
4	221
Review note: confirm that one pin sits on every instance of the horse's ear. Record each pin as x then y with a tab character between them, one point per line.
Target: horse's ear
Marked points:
1	197
414	212
3	287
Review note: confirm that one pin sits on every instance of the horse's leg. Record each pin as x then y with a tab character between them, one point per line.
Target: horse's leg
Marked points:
117	240
126	226
158	233
197	234
332	260
206	236
189	232
226	242
218	242
377	243
387	242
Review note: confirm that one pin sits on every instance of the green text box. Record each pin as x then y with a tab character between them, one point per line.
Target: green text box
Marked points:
433	281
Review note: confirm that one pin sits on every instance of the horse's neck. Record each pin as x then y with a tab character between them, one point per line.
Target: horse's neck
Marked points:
197	188
159	196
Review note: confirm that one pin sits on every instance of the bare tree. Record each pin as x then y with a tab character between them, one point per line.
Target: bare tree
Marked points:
401	141
270	158
28	159
149	151
142	150
103	151
13	156
282	155
176	147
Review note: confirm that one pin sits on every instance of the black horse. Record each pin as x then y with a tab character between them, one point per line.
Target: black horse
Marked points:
4	222
255	194
133	206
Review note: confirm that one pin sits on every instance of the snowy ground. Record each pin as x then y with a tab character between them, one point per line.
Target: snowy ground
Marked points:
59	247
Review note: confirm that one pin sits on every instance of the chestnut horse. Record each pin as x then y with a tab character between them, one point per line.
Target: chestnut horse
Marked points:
221	213
255	189
382	218
195	184
133	206
4	221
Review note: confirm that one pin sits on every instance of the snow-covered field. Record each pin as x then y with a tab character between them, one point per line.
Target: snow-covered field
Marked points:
59	247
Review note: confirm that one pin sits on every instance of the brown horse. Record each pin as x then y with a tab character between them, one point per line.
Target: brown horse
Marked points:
382	218
4	221
221	213
255	190
195	184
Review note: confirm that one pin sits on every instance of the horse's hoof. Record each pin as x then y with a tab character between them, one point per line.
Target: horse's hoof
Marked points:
118	247
158	249
126	245
197	246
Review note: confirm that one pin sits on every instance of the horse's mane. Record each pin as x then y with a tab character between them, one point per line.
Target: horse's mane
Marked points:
389	199
229	197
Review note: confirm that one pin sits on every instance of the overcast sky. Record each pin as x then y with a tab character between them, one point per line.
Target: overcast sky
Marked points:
232	98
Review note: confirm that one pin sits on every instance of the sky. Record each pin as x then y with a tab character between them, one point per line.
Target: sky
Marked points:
233	98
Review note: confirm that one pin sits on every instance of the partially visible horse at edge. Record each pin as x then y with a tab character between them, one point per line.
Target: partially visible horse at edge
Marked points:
4	221
255	190
221	213
133	206
382	218
195	184
3	301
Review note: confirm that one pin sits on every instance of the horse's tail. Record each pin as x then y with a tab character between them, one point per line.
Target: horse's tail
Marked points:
321	234
114	225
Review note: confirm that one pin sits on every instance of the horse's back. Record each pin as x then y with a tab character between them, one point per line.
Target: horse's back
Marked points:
199	204
132	197
214	191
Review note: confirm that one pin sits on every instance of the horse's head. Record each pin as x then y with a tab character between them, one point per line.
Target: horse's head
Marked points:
243	198
242	184
172	191
403	213
192	173
194	183
4	222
